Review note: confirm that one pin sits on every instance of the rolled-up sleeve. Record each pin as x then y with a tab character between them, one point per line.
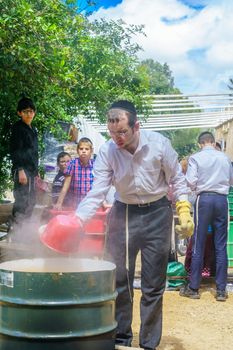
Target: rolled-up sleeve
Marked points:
102	182
192	174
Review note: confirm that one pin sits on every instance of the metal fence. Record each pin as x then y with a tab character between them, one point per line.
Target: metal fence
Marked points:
170	112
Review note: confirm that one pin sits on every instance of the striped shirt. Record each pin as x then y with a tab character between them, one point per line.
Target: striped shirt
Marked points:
81	178
58	183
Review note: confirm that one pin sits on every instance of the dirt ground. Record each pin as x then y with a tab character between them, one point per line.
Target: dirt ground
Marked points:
203	324
192	324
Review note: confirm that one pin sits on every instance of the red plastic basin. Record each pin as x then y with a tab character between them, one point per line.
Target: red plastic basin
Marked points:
92	244
95	225
62	234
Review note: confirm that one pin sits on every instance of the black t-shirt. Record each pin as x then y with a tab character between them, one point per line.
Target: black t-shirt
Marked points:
57	185
24	148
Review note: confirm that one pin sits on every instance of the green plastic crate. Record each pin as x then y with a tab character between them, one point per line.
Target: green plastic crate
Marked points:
230	244
230	254
230	233
230	250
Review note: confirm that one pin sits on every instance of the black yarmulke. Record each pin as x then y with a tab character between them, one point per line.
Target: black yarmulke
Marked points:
125	105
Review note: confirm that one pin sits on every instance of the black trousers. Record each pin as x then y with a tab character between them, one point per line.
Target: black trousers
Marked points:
149	230
25	197
210	208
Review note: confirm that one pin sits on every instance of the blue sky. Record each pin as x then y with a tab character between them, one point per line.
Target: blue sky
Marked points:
193	37
197	5
107	3
100	3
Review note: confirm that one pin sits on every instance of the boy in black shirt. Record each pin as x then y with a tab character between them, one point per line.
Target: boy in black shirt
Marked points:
24	157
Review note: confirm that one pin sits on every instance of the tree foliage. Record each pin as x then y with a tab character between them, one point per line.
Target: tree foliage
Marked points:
50	51
185	141
160	79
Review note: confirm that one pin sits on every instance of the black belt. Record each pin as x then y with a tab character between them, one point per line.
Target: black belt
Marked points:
212	193
158	203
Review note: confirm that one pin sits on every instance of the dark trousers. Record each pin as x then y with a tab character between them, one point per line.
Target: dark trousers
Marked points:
209	263
210	208
149	231
25	197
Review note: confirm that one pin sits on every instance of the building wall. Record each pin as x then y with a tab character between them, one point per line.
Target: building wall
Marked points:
224	135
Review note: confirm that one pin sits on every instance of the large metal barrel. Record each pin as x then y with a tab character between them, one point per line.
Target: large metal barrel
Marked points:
57	304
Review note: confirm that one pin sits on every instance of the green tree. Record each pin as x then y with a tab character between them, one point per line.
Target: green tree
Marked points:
185	141
160	79
110	66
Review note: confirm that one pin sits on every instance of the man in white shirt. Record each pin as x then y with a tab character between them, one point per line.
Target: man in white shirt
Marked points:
141	165
210	176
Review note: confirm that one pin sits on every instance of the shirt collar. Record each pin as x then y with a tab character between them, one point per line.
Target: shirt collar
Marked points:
208	148
143	142
85	166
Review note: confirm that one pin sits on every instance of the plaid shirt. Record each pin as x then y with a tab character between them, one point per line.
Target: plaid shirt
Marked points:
81	178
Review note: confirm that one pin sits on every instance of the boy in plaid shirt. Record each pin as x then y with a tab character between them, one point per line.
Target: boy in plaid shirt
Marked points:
78	175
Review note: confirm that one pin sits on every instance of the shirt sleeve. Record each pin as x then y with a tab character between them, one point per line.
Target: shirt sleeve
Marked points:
23	148
102	182
173	172
231	174
16	146
192	173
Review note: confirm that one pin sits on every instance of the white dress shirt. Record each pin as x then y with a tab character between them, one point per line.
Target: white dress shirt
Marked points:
138	178
209	170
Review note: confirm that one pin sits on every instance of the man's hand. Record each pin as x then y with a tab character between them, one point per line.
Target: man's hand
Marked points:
186	225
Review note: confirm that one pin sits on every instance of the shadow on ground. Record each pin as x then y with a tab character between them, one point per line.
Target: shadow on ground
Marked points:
171	343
